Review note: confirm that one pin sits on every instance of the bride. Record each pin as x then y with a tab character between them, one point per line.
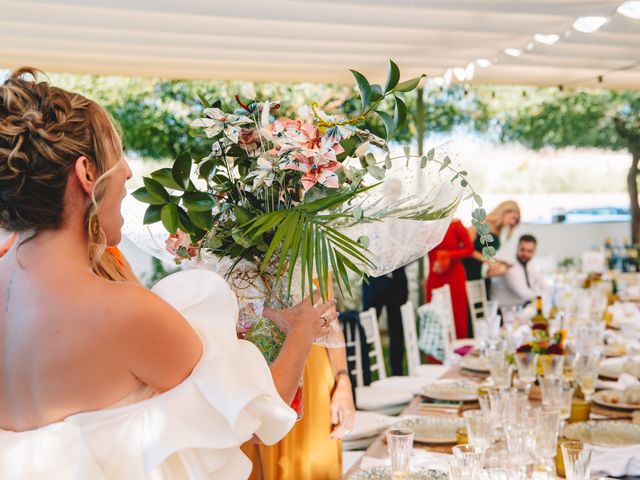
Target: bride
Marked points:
99	377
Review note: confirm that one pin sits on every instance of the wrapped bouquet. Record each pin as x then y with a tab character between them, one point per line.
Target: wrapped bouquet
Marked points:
281	204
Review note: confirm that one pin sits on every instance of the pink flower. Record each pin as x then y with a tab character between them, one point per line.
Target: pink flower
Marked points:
180	246
249	140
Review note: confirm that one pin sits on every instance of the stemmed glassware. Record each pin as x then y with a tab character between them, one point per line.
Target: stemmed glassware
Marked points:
586	372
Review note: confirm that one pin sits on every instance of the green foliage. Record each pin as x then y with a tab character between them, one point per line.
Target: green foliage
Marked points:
597	119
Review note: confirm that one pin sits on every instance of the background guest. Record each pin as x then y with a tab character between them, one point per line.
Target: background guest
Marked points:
391	292
445	268
520	282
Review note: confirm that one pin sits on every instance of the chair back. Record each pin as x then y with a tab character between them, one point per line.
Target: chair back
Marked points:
441	300
477	298
369	322
434	338
410	337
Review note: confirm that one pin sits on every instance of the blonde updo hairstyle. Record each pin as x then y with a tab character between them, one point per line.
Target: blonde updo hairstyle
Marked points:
496	216
43	131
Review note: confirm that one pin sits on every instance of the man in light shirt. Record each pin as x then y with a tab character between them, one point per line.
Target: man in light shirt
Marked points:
518	285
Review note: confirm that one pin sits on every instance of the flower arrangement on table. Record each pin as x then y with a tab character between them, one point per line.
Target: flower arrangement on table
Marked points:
543	342
282	202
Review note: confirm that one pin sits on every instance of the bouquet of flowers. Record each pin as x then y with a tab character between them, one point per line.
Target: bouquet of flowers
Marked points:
543	342
280	203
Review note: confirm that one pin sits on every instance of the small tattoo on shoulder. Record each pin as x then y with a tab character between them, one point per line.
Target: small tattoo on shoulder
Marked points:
8	291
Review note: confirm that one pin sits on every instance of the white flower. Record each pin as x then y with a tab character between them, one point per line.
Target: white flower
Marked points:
263	175
248	91
219	121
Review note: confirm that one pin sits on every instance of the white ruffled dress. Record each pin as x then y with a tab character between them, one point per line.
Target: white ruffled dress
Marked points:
193	431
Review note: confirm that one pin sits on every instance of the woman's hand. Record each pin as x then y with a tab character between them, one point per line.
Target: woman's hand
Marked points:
343	411
305	319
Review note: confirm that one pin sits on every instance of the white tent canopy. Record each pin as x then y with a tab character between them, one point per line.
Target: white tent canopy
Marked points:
318	40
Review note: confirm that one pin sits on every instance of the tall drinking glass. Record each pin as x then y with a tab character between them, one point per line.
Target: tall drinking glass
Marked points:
577	460
399	445
479	428
552	365
527	363
586	372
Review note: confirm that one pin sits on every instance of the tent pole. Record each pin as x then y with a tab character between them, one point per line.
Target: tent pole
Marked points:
420	139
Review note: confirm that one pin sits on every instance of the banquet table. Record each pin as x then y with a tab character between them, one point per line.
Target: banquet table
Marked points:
378	449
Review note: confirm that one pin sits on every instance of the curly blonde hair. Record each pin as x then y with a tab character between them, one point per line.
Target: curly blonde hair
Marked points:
43	131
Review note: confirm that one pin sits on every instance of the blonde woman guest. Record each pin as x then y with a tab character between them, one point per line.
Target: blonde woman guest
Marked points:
504	218
99	377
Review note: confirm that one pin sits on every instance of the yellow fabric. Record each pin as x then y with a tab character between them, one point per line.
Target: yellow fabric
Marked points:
307	452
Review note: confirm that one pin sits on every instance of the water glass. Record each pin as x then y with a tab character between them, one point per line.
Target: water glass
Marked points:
479	428
547	427
460	472
552	365
577	460
469	456
527	363
587	372
566	400
501	372
495	474
399	445
551	389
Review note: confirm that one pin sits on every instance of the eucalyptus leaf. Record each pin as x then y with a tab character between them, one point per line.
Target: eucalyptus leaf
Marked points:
376	172
370	159
387	162
364	241
357	213
423	161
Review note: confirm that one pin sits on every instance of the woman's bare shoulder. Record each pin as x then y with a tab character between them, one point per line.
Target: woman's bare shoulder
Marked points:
160	345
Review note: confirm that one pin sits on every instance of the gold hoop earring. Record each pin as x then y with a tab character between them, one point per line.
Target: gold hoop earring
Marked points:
94	227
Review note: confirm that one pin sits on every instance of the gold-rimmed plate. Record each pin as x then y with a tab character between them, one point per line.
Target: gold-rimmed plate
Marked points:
604	433
432	430
458	390
613	399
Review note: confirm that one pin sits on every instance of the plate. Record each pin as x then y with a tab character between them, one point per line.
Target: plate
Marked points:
613	399
615	350
604	433
475	363
432	430
384	473
614	367
456	390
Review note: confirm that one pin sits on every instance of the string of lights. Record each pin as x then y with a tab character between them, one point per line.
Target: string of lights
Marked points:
586	24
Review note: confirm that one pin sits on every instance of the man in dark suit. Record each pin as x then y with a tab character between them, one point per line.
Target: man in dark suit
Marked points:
389	291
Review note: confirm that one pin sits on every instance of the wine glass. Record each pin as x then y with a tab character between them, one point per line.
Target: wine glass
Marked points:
586	372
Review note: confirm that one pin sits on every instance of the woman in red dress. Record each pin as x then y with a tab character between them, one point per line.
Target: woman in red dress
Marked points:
445	268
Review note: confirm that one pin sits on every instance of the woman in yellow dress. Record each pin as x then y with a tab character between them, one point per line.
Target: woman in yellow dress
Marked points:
312	450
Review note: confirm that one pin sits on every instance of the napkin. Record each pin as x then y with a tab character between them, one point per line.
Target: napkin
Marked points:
615	461
419	459
624	381
369	424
